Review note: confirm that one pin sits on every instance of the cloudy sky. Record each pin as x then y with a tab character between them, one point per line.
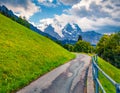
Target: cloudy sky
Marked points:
100	15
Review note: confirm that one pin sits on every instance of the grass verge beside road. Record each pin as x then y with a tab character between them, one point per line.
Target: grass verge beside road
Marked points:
112	71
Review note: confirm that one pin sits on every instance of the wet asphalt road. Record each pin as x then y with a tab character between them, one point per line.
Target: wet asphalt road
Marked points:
68	78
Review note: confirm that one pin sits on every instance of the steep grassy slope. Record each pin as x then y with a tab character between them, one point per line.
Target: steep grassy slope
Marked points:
25	55
112	71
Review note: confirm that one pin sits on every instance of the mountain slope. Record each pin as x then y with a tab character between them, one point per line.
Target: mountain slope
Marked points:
91	36
25	55
50	30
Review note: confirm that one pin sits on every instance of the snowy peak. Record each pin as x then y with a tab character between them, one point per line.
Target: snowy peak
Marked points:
71	32
68	28
77	28
72	27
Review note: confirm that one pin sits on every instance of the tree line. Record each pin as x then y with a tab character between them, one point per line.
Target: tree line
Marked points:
109	48
79	46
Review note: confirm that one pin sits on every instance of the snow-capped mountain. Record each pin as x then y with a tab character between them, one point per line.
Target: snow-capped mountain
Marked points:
71	32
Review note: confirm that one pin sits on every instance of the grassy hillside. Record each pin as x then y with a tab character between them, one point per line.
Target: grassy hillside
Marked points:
112	71
25	55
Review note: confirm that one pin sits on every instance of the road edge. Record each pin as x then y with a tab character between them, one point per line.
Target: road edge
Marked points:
90	83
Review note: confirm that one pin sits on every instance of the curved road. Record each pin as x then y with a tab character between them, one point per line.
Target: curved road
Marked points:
68	78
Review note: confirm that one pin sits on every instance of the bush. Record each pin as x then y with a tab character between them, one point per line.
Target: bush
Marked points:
80	46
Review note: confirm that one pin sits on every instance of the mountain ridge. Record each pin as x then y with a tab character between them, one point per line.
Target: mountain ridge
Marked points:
71	32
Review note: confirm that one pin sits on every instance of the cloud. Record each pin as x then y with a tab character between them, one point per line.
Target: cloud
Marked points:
49	3
96	8
97	13
42	1
89	8
69	2
59	21
88	14
21	7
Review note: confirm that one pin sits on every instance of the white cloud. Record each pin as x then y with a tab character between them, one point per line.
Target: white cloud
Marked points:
96	8
88	14
42	1
23	8
69	2
59	21
86	24
48	3
65	2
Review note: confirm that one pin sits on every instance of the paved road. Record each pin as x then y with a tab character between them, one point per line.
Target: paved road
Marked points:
68	78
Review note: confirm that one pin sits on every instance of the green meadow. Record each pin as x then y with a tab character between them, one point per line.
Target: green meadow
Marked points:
25	55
